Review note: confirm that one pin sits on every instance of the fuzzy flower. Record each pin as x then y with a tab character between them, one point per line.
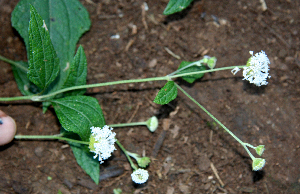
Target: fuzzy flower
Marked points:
257	69
140	176
102	142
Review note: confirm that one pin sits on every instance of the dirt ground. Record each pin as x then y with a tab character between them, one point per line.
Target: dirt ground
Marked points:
192	144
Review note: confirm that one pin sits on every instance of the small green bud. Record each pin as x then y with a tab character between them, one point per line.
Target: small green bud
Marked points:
211	63
143	162
117	191
258	164
152	123
260	149
205	59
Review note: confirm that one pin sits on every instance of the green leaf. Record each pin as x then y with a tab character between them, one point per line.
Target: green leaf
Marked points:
85	159
66	21
77	74
194	68
83	156
43	62
166	94
24	84
176	6
78	114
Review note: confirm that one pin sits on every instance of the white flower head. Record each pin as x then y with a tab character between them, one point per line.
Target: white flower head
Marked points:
257	69
102	142
140	176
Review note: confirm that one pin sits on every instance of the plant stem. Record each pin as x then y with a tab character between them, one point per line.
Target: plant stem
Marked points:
167	78
13	63
32	137
205	71
17	98
127	156
100	85
128	124
249	145
216	120
181	69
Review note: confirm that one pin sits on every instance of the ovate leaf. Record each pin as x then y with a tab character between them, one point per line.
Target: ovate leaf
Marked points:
77	73
24	84
176	6
78	114
166	94
43	62
66	21
194	68
86	161
83	156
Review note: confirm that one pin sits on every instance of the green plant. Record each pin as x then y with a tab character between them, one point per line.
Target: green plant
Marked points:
176	6
54	76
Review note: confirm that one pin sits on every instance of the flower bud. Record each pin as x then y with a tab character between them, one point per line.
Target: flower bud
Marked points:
260	149
152	123
258	164
211	63
143	162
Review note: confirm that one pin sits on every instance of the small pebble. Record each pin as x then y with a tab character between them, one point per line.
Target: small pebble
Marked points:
39	151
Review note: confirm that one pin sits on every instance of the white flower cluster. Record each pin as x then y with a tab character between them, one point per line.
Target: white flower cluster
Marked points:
257	71
140	176
104	140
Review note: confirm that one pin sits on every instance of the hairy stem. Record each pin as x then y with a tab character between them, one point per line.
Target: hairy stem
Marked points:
216	120
13	63
127	156
34	137
167	78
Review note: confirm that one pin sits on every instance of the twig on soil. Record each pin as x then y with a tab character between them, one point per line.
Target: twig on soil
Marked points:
267	188
134	113
129	44
211	136
111	172
216	174
144	16
224	190
172	54
107	17
90	2
159	143
87	183
151	103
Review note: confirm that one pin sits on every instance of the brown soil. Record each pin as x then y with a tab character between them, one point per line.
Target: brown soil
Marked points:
267	115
